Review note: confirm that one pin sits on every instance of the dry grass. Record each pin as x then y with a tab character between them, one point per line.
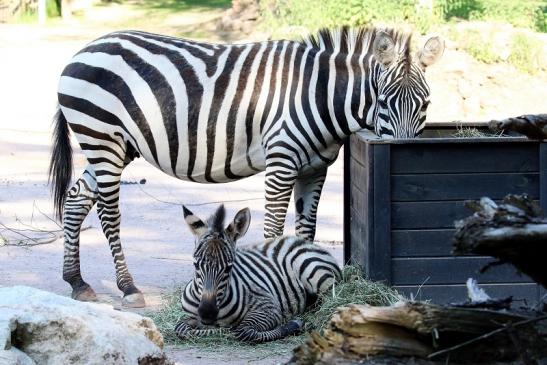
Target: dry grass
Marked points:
353	288
472	132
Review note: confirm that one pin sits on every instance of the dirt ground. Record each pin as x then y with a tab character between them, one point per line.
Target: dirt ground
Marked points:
157	244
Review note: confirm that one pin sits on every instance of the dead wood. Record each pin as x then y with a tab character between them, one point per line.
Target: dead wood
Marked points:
532	126
424	331
512	232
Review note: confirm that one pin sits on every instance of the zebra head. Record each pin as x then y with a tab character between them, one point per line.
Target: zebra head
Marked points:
214	257
403	93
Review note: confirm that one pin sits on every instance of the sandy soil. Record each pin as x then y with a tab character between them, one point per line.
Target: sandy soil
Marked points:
157	244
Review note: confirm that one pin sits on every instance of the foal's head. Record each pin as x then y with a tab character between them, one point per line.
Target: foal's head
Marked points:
214	256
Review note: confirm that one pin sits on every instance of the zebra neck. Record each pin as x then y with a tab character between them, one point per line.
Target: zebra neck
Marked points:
350	81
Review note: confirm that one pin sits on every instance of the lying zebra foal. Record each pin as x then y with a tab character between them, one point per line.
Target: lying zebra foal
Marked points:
257	291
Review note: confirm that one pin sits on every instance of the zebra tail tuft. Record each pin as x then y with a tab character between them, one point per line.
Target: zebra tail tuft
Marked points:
60	165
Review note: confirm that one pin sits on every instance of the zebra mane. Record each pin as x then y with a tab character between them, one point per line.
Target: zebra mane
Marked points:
346	40
216	221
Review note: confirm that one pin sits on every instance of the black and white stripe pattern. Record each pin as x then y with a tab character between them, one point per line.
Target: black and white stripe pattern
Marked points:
256	292
214	113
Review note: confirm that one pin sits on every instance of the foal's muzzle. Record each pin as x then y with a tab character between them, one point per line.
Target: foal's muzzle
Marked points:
208	309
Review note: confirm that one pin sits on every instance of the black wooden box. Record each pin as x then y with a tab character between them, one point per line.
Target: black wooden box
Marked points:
402	197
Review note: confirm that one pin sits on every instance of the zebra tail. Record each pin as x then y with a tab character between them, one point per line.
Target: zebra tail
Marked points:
60	165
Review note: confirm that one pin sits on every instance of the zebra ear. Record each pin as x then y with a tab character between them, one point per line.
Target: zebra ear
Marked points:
240	225
431	52
383	49
195	224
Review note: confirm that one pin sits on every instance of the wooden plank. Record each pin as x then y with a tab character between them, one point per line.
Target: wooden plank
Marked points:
380	248
421	243
443	294
464	158
359	174
543	176
347	207
357	237
357	149
462	186
451	270
361	202
427	215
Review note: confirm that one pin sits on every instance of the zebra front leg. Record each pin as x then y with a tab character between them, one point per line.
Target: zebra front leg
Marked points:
108	183
279	184
191	327
80	199
256	331
307	192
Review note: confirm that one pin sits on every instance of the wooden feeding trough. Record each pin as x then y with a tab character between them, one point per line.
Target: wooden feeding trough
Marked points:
403	196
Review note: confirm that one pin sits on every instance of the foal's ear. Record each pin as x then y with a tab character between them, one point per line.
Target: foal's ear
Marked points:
431	52
196	225
240	225
383	49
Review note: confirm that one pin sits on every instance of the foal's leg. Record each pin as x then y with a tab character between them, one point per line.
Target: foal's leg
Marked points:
263	323
256	332
190	327
80	199
307	192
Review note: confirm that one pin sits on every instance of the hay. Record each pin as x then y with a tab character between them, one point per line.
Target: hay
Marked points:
473	132
353	288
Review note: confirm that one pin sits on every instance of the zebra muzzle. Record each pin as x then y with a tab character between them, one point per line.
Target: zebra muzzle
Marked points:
208	309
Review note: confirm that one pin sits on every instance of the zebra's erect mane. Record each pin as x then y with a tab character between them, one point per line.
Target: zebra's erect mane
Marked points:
216	221
357	40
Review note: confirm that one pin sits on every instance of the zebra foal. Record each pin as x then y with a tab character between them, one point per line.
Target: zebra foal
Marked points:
255	291
213	113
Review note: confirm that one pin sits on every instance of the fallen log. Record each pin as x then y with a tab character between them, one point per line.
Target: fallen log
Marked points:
532	126
512	232
427	333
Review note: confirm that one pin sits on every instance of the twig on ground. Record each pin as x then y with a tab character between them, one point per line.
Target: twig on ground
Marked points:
28	241
196	204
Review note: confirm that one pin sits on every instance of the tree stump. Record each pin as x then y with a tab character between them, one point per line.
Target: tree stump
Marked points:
513	232
532	126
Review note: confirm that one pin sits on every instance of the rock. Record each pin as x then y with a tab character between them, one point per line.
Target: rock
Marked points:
37	327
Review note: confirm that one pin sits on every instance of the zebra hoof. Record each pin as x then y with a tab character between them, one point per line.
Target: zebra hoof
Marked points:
135	300
84	295
294	326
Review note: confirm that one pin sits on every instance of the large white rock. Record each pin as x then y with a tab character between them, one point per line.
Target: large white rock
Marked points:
45	328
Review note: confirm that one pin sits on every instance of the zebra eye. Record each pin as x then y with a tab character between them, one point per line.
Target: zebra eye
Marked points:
425	105
196	265
382	101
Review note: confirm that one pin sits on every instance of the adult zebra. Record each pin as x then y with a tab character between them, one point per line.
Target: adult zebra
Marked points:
215	113
255	291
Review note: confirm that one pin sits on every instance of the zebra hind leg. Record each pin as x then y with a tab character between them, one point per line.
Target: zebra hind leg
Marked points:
80	199
108	183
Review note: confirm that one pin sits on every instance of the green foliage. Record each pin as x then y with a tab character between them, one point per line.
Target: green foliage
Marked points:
520	13
313	14
526	53
30	15
479	46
